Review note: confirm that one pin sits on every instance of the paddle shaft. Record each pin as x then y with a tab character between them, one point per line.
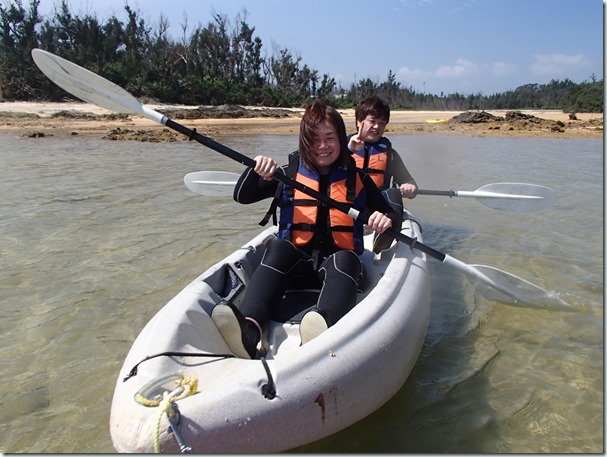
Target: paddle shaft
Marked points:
344	208
513	197
475	194
442	193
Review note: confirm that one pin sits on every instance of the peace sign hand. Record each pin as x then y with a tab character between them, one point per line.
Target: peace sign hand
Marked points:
357	141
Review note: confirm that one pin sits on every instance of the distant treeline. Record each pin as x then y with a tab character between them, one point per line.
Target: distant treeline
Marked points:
220	63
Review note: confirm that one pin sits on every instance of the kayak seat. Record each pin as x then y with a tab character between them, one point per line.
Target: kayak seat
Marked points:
295	303
302	297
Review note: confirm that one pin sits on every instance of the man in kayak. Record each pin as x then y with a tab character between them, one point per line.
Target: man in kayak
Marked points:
374	155
316	243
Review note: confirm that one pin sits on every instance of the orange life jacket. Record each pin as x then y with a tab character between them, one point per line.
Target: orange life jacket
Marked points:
374	160
299	212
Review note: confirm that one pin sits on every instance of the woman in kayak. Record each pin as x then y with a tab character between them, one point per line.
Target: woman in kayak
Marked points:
315	244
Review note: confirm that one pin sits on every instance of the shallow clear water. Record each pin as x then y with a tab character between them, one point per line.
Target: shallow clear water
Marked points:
98	235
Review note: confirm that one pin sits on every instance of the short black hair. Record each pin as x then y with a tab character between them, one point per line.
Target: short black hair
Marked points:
373	106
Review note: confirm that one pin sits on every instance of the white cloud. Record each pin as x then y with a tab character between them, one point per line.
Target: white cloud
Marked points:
463	75
502	68
461	68
410	73
557	64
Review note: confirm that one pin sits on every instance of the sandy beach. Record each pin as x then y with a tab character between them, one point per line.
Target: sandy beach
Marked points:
39	119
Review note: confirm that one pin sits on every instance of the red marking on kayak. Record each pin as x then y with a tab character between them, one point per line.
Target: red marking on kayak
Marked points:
321	402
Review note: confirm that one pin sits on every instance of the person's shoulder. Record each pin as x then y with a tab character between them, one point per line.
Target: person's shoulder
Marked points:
385	140
388	144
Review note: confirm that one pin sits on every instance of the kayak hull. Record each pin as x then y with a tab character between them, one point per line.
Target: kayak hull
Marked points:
322	387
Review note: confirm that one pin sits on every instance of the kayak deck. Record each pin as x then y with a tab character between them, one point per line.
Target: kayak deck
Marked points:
320	388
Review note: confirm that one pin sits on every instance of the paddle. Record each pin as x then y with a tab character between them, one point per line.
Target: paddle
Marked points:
90	87
505	196
211	183
514	197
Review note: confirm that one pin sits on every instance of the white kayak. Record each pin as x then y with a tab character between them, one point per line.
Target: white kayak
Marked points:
297	394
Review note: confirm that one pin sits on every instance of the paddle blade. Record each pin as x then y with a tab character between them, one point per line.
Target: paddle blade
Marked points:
211	183
507	288
90	87
516	197
498	285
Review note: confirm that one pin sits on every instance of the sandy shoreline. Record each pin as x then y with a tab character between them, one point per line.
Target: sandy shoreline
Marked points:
29	118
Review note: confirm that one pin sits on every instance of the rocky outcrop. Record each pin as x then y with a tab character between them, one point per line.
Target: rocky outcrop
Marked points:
226	112
146	136
474	117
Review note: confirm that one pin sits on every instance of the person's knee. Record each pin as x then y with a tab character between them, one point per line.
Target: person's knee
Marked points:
394	198
280	255
348	262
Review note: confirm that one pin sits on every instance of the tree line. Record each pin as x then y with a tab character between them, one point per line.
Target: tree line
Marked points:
220	63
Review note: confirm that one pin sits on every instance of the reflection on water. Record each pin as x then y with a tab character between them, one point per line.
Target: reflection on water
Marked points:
98	235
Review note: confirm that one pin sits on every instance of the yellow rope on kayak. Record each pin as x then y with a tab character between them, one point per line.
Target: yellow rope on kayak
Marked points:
164	407
185	387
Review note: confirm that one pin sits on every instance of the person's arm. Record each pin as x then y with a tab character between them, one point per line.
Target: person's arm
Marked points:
252	187
402	177
382	215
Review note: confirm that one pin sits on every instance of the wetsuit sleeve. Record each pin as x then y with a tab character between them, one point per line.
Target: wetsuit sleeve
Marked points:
375	200
400	173
252	188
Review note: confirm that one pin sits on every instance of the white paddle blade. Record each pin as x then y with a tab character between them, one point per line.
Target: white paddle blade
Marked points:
89	86
507	288
515	197
498	285
211	183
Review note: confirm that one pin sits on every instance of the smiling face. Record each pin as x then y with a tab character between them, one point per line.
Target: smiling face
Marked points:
372	128
325	146
322	138
373	114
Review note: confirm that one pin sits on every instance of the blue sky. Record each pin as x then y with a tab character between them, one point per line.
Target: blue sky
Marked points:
433	46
